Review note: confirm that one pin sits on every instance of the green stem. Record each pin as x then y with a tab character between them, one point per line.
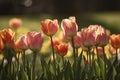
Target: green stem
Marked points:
42	62
24	60
89	54
116	55
76	52
54	62
97	52
73	46
104	61
34	63
63	61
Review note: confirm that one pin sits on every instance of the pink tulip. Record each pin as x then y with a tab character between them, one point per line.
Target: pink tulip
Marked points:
8	37
69	27
49	27
15	23
94	35
88	37
102	37
21	43
78	40
35	40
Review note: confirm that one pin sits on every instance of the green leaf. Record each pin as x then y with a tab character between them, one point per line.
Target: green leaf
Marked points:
111	73
102	68
23	75
96	68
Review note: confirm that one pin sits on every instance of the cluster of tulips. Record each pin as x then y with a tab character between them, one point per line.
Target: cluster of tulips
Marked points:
89	60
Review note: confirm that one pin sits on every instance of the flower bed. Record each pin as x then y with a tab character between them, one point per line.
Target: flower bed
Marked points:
90	59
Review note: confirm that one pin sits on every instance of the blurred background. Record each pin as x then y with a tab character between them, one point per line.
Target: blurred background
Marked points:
102	12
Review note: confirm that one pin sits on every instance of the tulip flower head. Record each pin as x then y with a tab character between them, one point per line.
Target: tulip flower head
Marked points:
8	37
102	36
55	43
94	35
62	49
112	50
35	40
15	23
69	27
21	43
115	41
1	44
78	40
49	27
88	37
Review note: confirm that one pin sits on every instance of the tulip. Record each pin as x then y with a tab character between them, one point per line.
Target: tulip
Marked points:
115	43
1	44
112	50
102	36
62	49
55	43
8	37
21	43
49	27
69	27
35	40
115	40
15	23
88	37
78	40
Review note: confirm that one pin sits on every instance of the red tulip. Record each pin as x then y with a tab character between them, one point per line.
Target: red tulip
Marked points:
21	43
49	27
62	49
8	37
15	23
55	43
69	27
35	40
115	41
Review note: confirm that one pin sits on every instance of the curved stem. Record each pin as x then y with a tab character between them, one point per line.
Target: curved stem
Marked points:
54	62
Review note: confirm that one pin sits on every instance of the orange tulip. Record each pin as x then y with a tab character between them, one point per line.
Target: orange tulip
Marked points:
35	40
69	27
62	49
1	44
112	50
49	27
8	37
115	40
15	23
